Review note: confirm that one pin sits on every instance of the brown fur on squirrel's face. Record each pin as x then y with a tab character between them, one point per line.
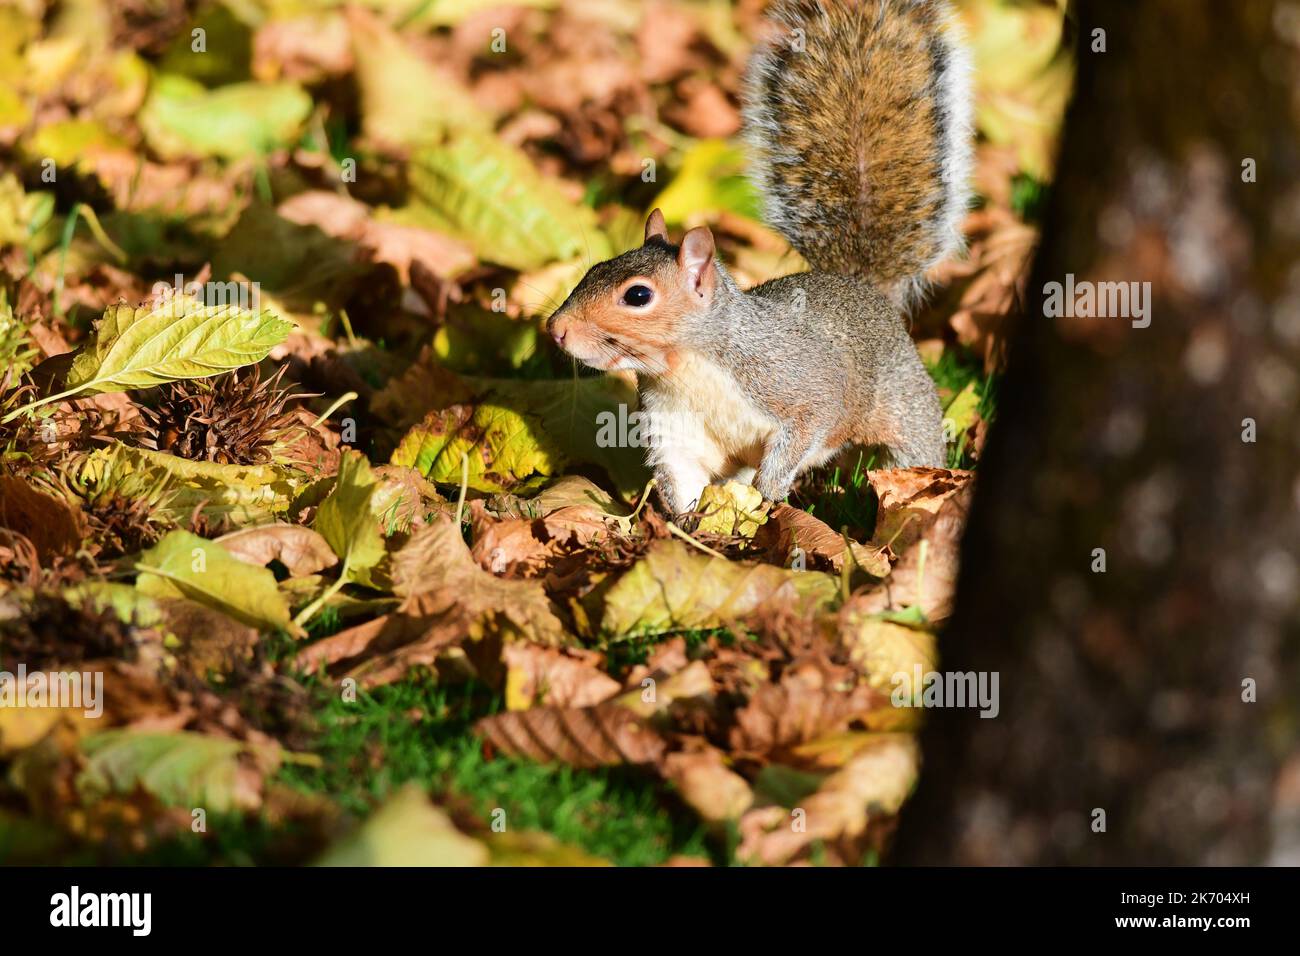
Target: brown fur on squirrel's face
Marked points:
631	311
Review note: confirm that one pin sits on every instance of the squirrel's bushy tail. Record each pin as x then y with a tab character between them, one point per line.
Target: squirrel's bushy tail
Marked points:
858	113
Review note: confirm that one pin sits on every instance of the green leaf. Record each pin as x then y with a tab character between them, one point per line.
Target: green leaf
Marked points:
346	522
491	195
181	118
179	338
184	565
125	601
180	769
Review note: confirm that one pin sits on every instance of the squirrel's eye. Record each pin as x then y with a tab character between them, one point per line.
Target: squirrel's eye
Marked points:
638	295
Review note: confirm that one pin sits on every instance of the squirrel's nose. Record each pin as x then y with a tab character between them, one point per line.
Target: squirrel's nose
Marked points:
557	329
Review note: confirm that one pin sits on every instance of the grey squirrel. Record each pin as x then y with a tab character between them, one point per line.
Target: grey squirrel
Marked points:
858	116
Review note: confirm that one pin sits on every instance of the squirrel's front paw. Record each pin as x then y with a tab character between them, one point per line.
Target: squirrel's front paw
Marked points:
680	489
774	491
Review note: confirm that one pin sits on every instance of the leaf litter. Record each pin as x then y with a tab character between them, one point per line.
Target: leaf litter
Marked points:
377	474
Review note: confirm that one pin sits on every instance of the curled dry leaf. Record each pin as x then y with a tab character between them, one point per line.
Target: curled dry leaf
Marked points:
519	547
789	528
448	601
731	508
908	498
301	550
926	575
871	786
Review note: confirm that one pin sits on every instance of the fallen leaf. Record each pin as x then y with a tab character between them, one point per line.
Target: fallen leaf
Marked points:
675	588
779	717
926	575
407	830
908	497
605	735
789	528
346	522
301	550
54	526
181	769
872	785
180	338
731	508
718	794
545	676
184	565
183	118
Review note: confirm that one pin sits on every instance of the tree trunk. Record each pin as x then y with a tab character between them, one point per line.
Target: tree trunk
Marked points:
1173	447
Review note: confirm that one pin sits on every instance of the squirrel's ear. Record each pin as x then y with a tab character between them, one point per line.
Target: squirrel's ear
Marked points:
655	227
695	259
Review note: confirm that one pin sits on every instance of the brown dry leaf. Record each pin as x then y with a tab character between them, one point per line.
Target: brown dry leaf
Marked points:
667	658
310	446
53	525
1001	253
404	498
602	736
566	492
398	245
301	550
704	111
306	49
789	528
569	677
779	717
210	642
707	785
926	575
692	683
435	563
908	498
670	49
517	547
871	786
448	601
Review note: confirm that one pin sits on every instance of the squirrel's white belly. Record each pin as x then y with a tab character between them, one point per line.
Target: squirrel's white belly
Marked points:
699	417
